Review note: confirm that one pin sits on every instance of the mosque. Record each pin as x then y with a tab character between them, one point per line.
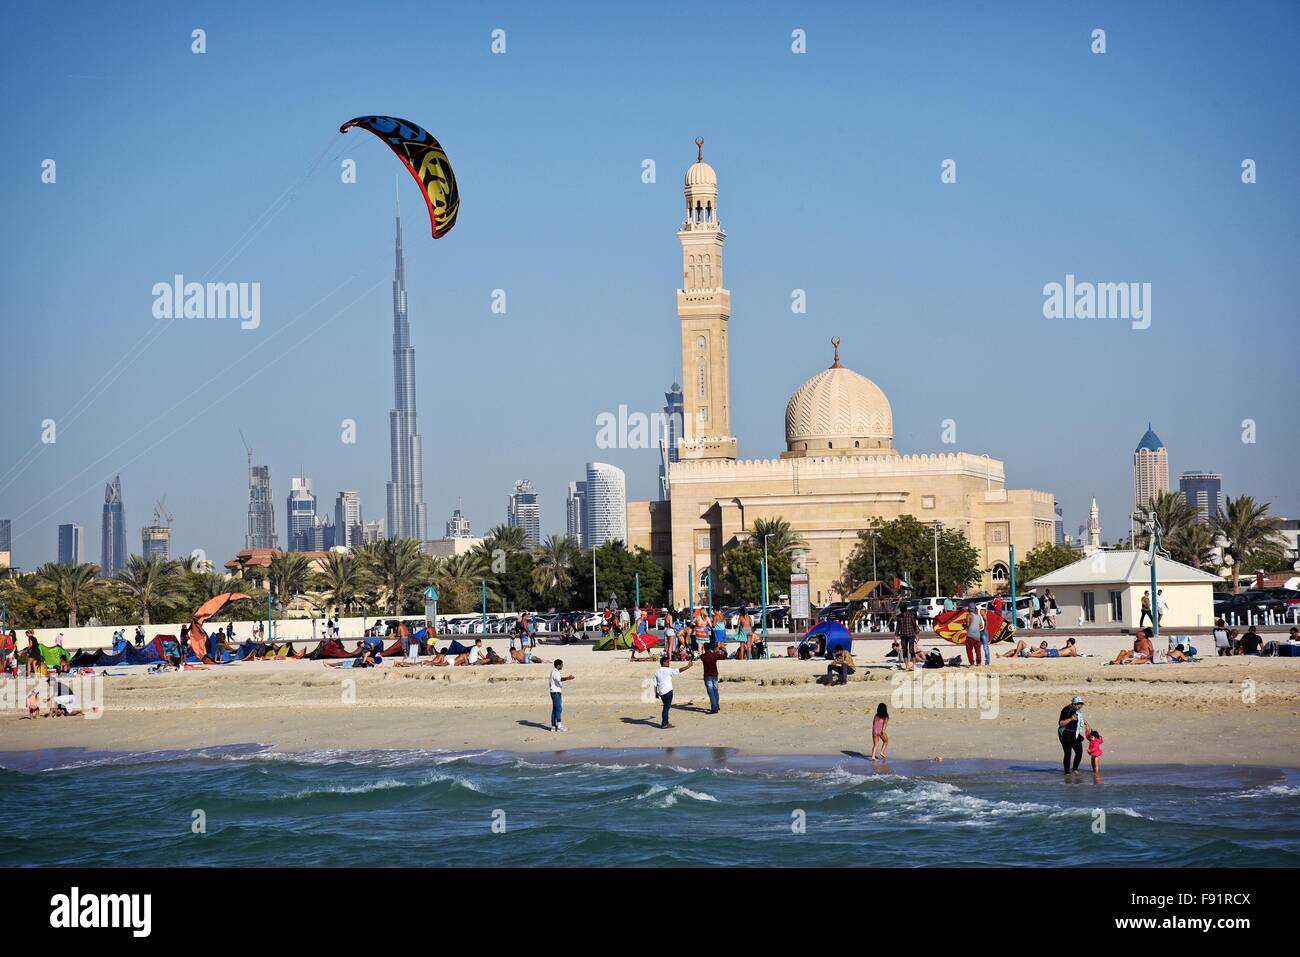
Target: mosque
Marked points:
840	469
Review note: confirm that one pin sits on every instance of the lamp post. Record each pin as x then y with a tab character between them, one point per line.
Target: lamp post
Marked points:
484	581
638	591
1154	526
936	558
595	602
708	574
766	653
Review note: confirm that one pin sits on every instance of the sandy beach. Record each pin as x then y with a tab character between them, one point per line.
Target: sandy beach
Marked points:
1220	711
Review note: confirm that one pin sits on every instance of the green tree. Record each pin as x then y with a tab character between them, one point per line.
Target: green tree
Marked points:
1044	558
72	585
742	571
288	575
341	579
780	537
460	580
150	582
399	567
1175	514
1251	536
905	548
1193	545
553	569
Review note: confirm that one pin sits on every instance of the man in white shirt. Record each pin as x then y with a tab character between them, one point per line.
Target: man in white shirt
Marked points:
663	679
557	695
476	653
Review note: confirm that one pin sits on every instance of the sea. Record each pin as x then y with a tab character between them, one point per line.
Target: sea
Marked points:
250	806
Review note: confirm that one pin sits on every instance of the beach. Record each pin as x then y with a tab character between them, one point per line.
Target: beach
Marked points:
1239	711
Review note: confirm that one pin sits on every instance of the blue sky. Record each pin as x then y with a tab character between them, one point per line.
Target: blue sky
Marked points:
1116	167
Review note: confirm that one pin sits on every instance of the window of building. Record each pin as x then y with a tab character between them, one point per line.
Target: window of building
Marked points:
1000	572
998	534
1089	601
927	501
1117	606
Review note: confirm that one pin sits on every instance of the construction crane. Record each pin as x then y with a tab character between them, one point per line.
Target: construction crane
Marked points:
160	512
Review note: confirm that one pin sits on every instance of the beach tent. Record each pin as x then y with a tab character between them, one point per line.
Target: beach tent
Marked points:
456	648
330	648
837	637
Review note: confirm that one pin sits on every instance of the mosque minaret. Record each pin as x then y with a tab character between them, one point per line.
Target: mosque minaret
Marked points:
839	471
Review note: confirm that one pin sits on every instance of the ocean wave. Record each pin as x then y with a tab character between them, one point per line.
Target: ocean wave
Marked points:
659	795
1270	790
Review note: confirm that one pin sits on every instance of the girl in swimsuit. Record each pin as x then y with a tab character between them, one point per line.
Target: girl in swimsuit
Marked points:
880	733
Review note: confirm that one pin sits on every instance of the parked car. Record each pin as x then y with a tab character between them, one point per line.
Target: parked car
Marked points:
1245	606
927	609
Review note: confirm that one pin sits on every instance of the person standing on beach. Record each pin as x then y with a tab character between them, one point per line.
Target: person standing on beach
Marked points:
558	677
974	630
907	635
1072	729
710	659
1146	609
663	679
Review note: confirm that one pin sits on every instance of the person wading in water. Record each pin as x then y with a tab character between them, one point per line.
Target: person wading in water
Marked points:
1072	730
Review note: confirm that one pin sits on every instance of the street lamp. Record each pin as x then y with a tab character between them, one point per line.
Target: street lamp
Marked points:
765	649
937	526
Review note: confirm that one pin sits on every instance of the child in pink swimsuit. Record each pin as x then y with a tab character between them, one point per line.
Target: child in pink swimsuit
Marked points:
1094	749
880	734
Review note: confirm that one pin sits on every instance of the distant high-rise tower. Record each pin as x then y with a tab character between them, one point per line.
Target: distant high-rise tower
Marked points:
302	515
1150	470
72	545
458	525
347	519
6	543
1203	490
672	431
524	511
1060	525
156	540
573	513
113	530
704	312
406	517
605	505
261	508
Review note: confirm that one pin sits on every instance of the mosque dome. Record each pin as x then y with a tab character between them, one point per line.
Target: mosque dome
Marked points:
701	174
838	412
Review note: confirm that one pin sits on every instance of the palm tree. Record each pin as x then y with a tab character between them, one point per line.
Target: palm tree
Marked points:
553	571
400	568
1250	536
150	582
72	584
288	575
1175	514
506	539
342	579
1193	545
782	538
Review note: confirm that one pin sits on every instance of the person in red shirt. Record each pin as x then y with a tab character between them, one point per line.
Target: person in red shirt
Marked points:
710	657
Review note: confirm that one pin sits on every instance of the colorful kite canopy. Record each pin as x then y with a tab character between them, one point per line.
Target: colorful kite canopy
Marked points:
951	626
426	160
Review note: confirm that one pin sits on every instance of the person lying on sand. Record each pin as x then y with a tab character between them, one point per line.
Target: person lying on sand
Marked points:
367	659
437	661
526	657
1142	652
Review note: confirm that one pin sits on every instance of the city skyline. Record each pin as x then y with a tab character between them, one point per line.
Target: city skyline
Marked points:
861	246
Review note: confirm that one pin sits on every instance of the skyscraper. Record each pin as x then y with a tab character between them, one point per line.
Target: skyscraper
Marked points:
1203	490
1150	470
672	431
6	543
406	517
605	513
72	545
302	515
113	530
347	519
156	540
261	508
458	525
524	511
573	506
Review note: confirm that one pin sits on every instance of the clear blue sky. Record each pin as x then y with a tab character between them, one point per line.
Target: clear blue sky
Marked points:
1116	167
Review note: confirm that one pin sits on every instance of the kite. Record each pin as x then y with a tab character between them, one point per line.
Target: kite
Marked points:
951	626
426	160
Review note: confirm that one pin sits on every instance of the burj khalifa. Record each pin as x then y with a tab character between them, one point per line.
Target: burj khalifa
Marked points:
406	517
